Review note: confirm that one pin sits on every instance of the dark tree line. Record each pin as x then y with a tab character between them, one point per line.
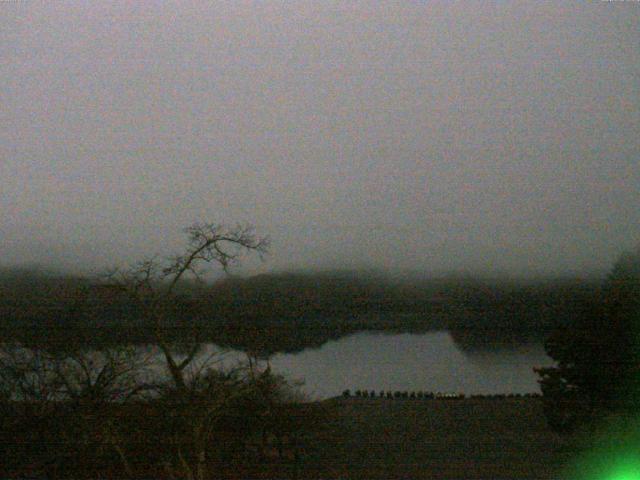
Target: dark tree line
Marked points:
288	312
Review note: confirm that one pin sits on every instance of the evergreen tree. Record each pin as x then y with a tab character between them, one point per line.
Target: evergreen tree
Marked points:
598	356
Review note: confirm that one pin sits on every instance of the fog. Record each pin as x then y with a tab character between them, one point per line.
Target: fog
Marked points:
423	136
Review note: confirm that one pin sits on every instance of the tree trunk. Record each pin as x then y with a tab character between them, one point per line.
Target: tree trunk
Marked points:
174	370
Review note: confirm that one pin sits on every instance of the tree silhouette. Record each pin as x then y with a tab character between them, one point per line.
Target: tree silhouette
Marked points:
153	284
598	356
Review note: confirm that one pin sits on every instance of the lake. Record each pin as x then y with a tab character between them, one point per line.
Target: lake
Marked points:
429	362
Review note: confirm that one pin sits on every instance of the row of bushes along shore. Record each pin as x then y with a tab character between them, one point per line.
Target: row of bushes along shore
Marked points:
420	395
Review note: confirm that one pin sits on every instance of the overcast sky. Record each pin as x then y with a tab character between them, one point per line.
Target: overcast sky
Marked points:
431	136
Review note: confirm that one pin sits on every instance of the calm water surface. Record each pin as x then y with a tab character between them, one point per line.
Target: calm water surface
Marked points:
429	362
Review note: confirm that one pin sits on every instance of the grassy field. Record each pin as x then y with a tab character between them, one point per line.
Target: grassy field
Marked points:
470	439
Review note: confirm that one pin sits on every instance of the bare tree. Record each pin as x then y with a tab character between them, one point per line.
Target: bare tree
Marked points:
235	411
152	283
115	374
57	403
68	394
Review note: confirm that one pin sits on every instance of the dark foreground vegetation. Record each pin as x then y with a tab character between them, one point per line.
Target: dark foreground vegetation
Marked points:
90	415
340	438
470	438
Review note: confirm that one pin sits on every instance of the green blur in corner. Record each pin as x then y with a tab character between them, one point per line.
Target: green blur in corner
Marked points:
610	452
627	469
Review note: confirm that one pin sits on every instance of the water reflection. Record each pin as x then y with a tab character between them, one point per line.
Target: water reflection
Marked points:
430	362
376	361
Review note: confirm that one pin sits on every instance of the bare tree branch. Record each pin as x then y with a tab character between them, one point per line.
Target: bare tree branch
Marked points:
151	283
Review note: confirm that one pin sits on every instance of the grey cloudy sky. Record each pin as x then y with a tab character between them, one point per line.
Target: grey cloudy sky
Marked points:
430	136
